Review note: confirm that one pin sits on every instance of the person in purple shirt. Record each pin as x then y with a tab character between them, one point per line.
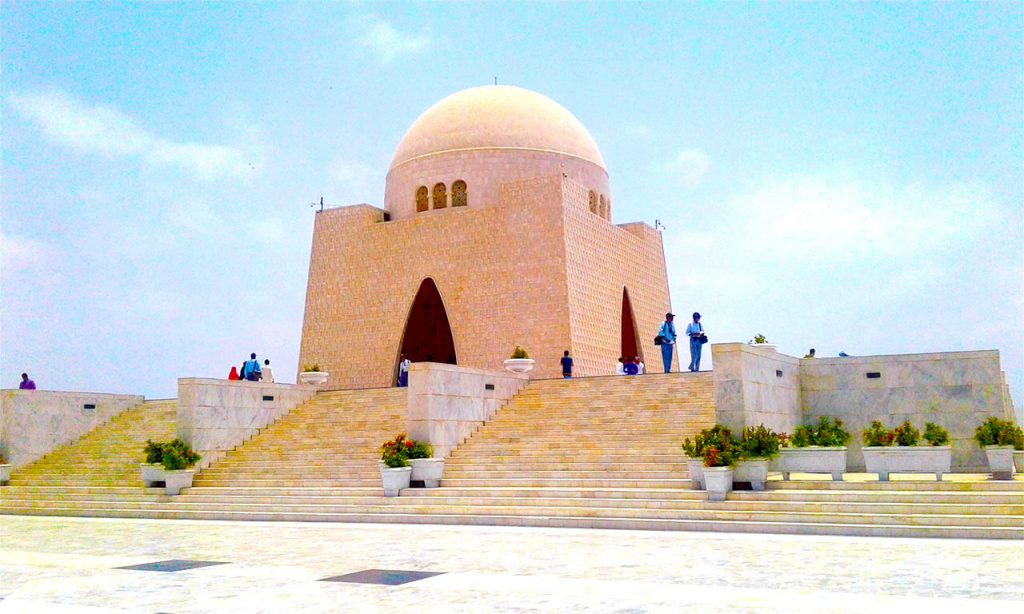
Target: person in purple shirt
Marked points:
26	383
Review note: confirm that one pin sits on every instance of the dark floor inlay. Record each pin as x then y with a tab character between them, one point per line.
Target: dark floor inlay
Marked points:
391	577
172	565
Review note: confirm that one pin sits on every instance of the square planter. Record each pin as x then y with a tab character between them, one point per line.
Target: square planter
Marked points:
313	378
884	460
1000	462
1018	461
812	459
5	473
427	470
176	480
695	467
718	481
151	474
752	470
394	479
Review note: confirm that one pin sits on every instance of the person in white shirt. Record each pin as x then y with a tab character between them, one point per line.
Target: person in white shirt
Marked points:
403	371
620	369
640	366
268	373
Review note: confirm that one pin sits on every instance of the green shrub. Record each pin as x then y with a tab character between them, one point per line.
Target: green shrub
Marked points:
314	368
177	455
906	434
758	339
759	442
419	449
996	432
154	452
878	435
519	353
716	446
827	432
935	434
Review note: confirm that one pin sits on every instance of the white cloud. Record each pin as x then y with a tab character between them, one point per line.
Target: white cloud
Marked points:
387	43
103	129
21	253
690	166
836	217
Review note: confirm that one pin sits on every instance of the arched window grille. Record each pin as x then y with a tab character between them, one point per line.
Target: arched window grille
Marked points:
459	194
421	199
603	208
440	196
593	202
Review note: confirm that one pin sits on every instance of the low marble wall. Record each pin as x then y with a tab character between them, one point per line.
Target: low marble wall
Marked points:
217	415
755	385
34	423
448	403
956	390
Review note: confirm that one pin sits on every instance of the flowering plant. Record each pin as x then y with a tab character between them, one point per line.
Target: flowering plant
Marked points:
935	434
716	446
828	433
878	435
996	432
759	442
398	451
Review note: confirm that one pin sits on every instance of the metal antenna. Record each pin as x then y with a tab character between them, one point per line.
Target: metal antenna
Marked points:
320	204
659	226
495	80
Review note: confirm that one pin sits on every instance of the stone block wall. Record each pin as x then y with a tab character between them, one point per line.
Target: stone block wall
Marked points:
34	423
217	415
756	385
448	403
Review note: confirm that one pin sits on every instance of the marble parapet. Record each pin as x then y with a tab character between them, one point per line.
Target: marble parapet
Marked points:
448	403
217	415
34	423
756	385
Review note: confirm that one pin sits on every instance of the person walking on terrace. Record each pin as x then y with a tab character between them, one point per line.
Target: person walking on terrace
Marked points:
695	331
566	365
667	340
26	383
251	369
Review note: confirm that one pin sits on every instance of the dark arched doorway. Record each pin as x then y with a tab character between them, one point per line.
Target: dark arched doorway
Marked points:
428	336
630	346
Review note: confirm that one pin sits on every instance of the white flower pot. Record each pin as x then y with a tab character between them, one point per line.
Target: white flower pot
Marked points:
313	378
752	470
812	459
174	481
884	460
5	473
718	481
394	479
1018	461
151	474
1000	462
695	467
519	365
427	470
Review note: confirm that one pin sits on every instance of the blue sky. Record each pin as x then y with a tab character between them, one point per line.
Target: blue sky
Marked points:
847	177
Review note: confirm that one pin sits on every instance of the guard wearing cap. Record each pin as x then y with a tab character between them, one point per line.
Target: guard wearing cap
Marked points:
667	335
695	331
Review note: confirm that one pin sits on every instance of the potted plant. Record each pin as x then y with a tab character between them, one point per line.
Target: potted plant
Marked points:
178	459
312	375
395	471
5	470
819	448
758	445
761	341
520	362
897	451
720	452
999	438
424	468
694	451
152	469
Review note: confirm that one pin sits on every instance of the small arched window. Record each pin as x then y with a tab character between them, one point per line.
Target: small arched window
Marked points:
604	207
593	202
421	199
440	196
459	194
608	210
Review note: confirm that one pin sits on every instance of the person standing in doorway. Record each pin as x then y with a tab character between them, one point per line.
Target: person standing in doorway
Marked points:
667	334
695	331
26	383
403	371
566	365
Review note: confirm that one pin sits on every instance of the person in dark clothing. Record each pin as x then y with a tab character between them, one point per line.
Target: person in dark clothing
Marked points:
566	365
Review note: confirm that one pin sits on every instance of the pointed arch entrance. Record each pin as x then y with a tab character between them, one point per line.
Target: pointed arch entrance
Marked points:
428	335
630	345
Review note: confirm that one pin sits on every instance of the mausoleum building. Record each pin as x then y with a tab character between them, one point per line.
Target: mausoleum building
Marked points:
496	231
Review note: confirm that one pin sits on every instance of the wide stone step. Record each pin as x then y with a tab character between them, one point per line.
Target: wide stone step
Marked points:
565	482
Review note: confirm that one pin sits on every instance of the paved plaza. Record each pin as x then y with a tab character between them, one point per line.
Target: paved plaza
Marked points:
113	565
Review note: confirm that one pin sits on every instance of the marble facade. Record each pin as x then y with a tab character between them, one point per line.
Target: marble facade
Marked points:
34	423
